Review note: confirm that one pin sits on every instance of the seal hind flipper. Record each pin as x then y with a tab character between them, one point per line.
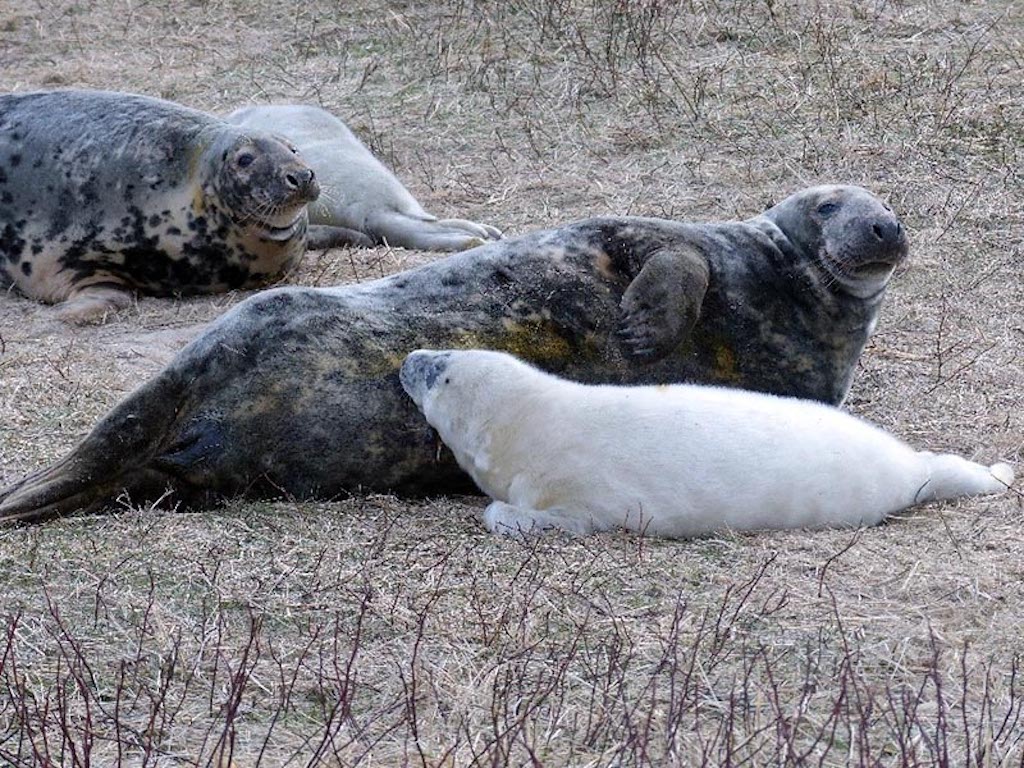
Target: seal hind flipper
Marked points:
428	233
115	456
662	303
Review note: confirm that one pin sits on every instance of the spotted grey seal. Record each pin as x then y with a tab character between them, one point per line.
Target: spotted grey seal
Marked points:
680	460
295	391
362	200
103	193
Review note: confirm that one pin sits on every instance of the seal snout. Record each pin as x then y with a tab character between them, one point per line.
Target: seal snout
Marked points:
888	232
885	245
420	372
302	181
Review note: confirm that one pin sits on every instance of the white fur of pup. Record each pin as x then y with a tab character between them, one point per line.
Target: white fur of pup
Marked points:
675	461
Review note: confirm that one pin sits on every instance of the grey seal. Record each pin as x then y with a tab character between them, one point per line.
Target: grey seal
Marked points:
363	202
679	461
295	391
103	194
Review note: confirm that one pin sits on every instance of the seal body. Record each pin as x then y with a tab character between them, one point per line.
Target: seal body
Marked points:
363	202
102	194
295	391
677	461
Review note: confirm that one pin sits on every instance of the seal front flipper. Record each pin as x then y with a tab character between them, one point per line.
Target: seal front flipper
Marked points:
94	302
519	522
662	304
320	237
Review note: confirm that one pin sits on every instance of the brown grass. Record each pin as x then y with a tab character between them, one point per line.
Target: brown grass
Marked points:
373	631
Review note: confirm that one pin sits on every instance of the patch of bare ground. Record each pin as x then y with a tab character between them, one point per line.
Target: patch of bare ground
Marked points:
375	631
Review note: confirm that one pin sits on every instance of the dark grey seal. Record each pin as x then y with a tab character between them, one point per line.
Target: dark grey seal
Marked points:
295	391
102	194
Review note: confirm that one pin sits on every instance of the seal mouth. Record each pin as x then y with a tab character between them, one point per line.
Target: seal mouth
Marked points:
863	279
874	267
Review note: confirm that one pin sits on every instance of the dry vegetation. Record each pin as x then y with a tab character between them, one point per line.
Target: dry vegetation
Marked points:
372	631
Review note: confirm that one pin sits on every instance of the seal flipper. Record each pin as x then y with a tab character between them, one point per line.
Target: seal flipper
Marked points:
427	232
662	303
115	456
518	522
94	302
320	237
951	476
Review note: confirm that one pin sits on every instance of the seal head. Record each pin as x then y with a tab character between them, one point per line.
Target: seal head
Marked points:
856	238
263	181
420	372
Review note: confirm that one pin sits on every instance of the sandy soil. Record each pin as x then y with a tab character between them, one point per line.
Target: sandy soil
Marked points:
374	631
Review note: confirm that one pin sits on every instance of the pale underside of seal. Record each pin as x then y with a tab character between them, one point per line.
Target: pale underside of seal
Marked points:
103	194
362	201
676	461
295	391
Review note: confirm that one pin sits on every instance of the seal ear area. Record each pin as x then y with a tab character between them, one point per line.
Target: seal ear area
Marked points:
663	302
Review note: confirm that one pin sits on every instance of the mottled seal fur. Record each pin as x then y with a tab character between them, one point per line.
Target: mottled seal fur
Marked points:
295	391
678	461
362	201
102	194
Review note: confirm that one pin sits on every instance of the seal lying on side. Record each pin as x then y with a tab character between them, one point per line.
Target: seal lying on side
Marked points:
295	391
676	461
361	198
102	194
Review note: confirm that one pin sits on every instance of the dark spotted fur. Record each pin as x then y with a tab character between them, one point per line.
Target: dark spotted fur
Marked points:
127	190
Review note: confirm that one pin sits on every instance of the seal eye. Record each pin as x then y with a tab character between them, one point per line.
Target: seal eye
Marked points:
827	209
244	160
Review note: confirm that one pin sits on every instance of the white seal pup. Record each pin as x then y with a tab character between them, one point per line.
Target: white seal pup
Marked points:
674	461
362	201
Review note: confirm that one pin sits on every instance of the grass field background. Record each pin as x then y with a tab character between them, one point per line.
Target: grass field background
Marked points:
374	631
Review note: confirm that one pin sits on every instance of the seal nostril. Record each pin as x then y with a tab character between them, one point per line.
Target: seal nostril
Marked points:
879	233
291	181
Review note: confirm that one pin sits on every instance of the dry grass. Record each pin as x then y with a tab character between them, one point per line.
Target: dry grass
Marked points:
377	632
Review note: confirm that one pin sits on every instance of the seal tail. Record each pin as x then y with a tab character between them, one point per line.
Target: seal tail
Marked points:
113	457
951	476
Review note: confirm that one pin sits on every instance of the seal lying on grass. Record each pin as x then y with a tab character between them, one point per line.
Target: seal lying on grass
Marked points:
361	197
295	391
103	194
676	461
